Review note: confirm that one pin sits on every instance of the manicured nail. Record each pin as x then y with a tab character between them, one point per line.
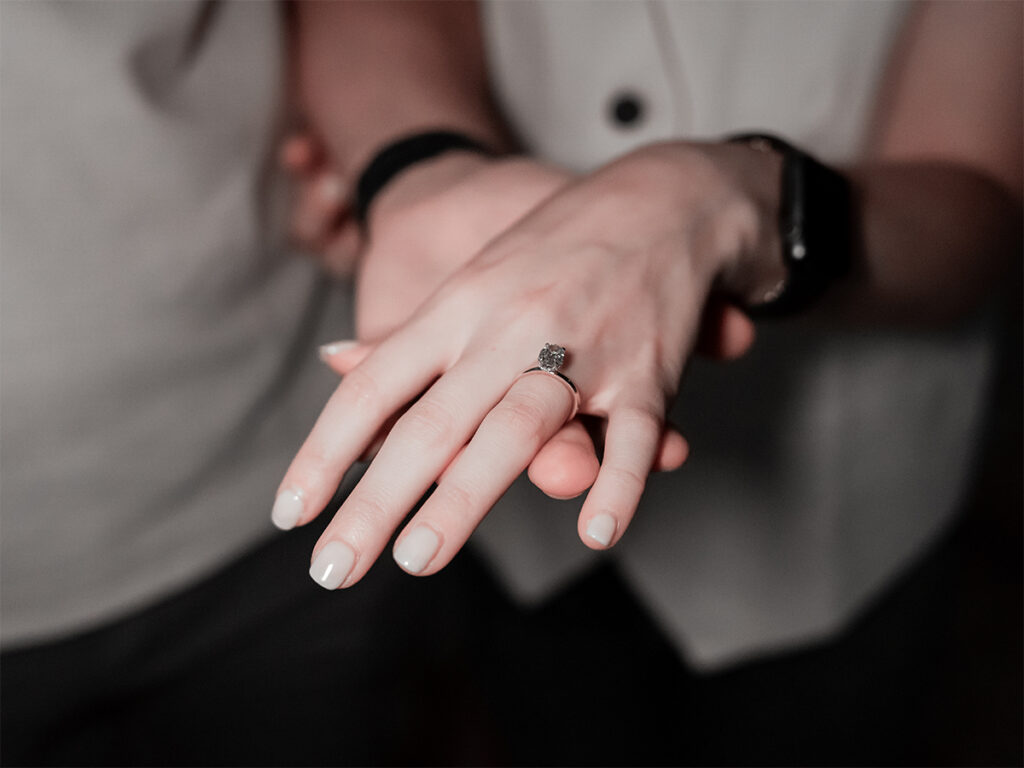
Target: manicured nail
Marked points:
287	509
601	529
416	549
332	564
335	347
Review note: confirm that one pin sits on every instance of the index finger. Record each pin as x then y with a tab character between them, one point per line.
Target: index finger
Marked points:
363	401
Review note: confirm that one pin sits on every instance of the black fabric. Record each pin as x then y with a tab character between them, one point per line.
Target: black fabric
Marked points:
400	155
259	667
816	229
931	675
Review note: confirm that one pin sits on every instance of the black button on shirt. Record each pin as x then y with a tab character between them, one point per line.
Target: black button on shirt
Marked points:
627	109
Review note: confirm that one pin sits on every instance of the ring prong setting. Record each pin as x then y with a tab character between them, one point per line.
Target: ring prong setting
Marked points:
551	358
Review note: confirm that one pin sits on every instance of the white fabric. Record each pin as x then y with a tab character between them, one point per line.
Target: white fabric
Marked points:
823	461
156	342
158	368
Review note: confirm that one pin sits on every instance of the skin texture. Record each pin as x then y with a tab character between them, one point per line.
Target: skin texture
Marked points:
498	310
568	466
428	56
622	267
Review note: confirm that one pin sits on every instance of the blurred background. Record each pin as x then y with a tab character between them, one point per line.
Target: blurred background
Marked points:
159	327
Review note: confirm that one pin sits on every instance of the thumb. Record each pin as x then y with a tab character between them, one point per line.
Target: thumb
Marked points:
567	464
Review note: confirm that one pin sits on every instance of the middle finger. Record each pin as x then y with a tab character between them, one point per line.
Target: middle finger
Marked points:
534	409
415	453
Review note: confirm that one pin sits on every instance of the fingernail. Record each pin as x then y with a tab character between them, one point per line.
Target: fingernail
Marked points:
287	509
416	549
331	190
601	529
332	564
329	350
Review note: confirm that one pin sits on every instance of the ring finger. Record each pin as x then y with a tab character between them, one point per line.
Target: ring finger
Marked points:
534	409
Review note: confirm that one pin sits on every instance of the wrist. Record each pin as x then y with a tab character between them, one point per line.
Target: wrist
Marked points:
726	199
753	270
814	229
425	179
397	157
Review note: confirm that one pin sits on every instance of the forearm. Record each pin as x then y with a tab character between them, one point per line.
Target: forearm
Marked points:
934	239
369	72
940	194
930	242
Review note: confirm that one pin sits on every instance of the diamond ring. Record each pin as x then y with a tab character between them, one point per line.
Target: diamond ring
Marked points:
549	361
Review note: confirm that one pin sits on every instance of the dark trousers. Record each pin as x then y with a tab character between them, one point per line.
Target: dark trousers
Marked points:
258	666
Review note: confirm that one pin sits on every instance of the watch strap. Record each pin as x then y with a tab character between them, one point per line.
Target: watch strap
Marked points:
815	227
400	155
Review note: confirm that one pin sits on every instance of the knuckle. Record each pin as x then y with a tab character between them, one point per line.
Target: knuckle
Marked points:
457	291
640	421
359	391
537	307
522	414
430	423
367	509
626	479
458	500
313	463
319	455
467	288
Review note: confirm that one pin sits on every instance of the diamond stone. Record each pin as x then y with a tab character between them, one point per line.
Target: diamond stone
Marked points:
551	357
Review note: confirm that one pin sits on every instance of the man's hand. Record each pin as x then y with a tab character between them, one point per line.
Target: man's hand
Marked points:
431	220
320	219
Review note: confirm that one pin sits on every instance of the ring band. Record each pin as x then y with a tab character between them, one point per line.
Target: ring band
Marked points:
550	359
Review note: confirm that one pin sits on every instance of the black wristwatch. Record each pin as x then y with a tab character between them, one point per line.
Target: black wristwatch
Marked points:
399	155
815	227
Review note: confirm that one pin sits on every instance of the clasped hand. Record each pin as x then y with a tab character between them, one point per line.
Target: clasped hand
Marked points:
617	267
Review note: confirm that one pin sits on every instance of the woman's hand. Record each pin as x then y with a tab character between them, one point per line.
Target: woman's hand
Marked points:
617	268
435	218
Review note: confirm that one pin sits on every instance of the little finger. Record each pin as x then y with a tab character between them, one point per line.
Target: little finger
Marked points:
631	447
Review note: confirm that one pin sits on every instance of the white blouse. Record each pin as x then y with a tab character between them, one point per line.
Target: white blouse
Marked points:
826	459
